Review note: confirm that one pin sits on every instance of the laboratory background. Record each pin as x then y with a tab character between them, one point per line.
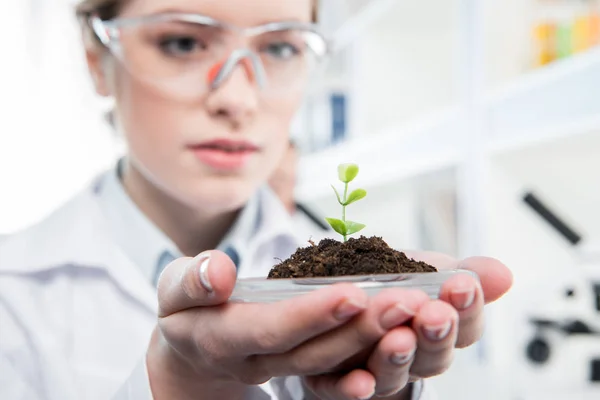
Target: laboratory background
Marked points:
476	125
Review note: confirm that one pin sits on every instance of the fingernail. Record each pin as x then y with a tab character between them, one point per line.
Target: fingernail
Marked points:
367	396
462	299
396	315
436	333
204	260
401	358
348	309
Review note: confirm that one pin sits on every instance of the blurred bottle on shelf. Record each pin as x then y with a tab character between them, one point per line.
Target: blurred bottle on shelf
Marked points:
544	33
563	28
594	23
565	11
323	120
582	39
338	116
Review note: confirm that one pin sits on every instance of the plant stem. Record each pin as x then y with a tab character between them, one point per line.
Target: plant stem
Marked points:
344	207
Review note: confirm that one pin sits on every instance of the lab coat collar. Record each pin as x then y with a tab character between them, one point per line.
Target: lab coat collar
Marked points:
275	220
141	240
246	226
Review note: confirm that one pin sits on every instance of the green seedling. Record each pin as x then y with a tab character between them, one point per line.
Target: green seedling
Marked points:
346	174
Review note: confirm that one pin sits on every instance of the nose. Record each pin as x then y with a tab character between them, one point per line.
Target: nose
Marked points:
220	72
234	99
249	60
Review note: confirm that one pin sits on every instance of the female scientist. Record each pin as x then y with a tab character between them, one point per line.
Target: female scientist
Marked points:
204	91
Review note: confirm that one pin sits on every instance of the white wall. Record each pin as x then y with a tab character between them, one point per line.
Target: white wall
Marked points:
508	39
53	138
408	63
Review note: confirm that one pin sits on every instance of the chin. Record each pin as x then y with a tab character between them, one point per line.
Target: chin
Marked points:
221	195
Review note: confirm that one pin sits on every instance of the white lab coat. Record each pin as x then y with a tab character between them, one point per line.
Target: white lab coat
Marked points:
76	314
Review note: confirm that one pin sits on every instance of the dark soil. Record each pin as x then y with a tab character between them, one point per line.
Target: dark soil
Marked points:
362	256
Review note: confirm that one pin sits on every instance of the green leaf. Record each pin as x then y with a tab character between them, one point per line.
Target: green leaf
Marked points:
356	195
337	194
353	227
347	172
337	225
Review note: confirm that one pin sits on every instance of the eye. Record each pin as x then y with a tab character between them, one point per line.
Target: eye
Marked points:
282	50
180	45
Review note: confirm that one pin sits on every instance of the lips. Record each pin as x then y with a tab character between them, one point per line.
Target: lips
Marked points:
225	154
230	146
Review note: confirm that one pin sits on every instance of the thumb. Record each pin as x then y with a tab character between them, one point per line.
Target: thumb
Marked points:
202	281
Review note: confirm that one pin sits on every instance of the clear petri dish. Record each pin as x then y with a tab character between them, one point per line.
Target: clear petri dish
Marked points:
262	290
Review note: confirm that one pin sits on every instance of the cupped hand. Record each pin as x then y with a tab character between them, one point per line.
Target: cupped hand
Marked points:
217	348
424	348
207	347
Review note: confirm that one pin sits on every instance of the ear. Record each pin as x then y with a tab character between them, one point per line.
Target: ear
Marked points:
95	55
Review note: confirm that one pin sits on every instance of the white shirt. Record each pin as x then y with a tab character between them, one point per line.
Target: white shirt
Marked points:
146	245
77	303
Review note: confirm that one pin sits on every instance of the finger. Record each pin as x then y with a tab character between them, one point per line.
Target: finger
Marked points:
326	353
358	384
205	280
465	294
436	328
496	279
281	326
235	334
391	361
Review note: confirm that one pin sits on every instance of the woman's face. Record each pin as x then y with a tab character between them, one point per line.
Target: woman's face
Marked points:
212	151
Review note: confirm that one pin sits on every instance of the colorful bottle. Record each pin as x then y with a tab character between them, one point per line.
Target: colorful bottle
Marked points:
566	14
545	32
582	27
594	21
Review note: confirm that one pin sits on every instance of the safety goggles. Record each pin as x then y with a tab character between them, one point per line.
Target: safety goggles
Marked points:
187	55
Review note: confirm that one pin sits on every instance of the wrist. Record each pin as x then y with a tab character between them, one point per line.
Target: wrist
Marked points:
171	377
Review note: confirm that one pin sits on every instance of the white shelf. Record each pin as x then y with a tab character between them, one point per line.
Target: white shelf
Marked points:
546	76
528	138
555	102
424	146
